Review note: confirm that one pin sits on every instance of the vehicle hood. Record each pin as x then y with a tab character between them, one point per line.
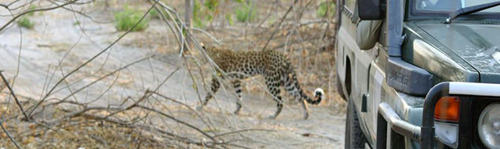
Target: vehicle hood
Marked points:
477	44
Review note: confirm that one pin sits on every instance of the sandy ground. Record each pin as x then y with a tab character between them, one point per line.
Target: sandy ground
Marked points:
57	41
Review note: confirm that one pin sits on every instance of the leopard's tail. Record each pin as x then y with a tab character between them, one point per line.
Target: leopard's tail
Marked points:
292	86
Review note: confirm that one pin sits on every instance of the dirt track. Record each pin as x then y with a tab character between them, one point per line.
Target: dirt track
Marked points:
50	45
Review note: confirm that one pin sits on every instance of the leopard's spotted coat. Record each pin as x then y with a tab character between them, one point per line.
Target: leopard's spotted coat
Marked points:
273	65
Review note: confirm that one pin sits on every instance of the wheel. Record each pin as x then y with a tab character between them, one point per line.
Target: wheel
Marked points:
354	137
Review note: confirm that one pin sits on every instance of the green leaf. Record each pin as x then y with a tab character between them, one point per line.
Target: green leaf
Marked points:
245	13
26	23
323	8
229	18
127	18
212	5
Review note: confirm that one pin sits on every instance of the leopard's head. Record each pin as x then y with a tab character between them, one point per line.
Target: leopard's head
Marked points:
208	49
214	51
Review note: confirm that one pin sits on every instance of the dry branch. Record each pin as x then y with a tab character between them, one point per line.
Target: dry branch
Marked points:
32	11
15	97
8	135
90	60
279	24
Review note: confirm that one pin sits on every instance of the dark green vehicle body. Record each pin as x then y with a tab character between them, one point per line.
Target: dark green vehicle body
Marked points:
465	50
432	51
469	46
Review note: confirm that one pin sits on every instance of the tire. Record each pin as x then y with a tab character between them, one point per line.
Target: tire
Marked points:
354	136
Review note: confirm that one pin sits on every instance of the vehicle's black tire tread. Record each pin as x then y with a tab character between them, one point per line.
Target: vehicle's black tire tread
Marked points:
354	136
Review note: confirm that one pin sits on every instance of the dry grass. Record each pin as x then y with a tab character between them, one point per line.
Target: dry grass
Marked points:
75	132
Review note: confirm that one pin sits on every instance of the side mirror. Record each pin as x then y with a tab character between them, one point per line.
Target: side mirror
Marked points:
367	33
370	9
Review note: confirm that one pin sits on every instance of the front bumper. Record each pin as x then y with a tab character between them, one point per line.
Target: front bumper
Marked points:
425	134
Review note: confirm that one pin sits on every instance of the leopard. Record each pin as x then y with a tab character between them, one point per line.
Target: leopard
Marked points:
273	65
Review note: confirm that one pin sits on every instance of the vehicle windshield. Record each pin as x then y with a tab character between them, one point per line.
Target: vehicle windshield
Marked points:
447	6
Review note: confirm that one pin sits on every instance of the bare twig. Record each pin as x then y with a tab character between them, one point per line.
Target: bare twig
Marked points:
15	97
91	59
8	135
34	10
240	131
4	6
279	24
177	120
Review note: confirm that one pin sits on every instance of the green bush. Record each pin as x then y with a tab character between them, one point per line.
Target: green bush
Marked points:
229	19
239	1
25	22
127	18
212	5
32	7
197	20
245	13
154	13
323	7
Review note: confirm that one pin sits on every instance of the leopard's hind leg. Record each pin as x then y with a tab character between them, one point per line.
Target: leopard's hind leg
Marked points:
237	89
273	85
214	87
290	88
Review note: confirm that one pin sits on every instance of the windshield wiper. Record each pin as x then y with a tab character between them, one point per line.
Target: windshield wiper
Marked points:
469	10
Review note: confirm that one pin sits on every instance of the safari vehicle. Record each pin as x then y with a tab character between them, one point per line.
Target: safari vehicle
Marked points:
420	73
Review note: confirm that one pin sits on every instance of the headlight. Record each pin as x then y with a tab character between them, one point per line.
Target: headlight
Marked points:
489	126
